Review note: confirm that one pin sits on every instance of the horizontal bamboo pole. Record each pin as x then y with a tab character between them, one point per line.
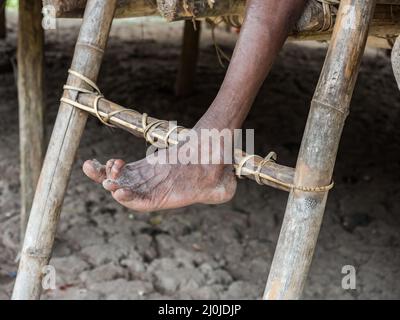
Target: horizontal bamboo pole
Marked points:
171	9
174	10
385	23
132	122
125	8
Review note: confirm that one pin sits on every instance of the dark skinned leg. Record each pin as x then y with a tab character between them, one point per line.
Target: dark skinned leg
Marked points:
143	186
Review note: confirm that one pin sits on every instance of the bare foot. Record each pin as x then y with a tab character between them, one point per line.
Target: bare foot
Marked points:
145	187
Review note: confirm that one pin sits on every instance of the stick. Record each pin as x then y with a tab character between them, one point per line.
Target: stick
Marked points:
188	59
60	155
329	109
31	102
132	122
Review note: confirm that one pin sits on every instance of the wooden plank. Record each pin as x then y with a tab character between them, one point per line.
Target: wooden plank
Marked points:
31	102
315	164
61	152
188	60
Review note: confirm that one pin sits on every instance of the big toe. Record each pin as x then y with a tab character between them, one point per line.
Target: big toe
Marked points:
132	200
94	170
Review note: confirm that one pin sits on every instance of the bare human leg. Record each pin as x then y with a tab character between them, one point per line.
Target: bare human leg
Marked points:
143	186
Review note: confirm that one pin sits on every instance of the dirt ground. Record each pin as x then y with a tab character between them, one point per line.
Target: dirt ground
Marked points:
104	251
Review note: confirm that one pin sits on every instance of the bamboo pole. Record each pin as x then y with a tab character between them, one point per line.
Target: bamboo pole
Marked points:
60	155
385	24
174	10
125	8
31	102
188	59
329	109
3	25
132	122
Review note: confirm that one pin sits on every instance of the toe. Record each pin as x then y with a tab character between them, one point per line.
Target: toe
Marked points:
132	200
109	165
116	169
123	195
94	170
111	185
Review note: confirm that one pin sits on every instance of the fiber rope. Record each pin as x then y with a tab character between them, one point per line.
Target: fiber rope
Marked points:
272	157
328	14
105	119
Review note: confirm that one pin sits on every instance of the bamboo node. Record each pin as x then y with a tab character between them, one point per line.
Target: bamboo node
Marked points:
35	253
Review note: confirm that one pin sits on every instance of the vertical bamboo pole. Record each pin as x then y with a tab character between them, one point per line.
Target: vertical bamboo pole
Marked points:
188	60
3	26
329	109
61	152
31	103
